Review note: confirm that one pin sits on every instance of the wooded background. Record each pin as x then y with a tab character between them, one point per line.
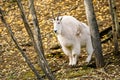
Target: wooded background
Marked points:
12	64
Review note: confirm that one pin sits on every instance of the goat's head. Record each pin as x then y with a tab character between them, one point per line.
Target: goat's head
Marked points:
57	24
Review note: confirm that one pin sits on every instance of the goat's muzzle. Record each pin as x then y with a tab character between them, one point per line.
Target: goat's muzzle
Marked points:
55	31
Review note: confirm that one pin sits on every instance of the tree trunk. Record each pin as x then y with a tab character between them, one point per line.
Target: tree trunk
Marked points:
38	42
113	12
19	48
94	33
35	39
115	28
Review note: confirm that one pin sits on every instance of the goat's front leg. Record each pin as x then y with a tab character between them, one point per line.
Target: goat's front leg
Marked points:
74	59
75	54
70	59
68	52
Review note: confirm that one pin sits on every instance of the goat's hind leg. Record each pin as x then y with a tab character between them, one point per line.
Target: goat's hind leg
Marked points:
89	49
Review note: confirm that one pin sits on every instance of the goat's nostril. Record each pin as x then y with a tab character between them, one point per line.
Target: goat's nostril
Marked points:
55	31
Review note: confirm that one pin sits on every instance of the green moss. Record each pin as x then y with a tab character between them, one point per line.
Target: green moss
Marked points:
28	75
73	73
79	73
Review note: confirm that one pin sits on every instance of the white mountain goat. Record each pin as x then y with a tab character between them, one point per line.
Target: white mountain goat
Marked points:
73	35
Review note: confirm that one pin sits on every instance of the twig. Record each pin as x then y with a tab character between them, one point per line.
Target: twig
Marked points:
103	72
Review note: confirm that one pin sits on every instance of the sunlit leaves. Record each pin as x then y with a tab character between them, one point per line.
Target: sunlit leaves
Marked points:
12	64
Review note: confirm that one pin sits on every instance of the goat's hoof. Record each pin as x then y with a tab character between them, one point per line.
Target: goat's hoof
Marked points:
72	66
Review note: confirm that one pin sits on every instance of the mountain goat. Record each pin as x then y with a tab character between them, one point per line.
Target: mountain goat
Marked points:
73	35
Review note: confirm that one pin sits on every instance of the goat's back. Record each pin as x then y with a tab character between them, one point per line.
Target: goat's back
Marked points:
70	25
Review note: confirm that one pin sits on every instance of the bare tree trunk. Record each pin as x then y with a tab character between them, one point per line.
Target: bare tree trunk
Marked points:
114	14
36	39
16	43
36	25
94	32
115	28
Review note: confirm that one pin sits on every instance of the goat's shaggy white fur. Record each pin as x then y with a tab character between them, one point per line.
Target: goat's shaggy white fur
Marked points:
72	35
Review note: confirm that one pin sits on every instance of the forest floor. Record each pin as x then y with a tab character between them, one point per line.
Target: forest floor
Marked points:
87	72
13	65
